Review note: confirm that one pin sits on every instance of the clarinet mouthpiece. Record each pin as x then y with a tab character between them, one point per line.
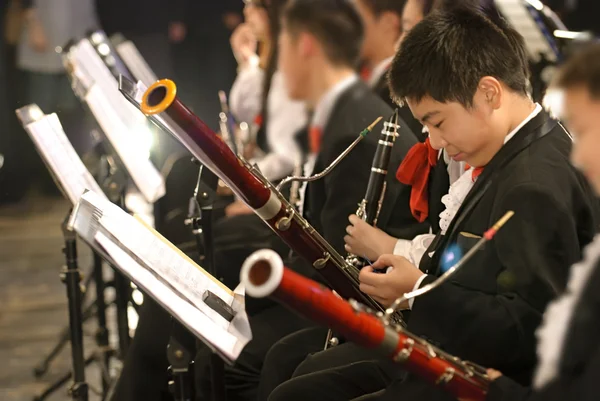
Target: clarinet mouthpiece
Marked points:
366	131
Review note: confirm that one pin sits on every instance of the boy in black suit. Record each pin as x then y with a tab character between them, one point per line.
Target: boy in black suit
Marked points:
569	339
317	57
466	78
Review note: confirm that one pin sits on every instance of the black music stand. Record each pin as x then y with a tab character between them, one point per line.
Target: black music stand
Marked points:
200	218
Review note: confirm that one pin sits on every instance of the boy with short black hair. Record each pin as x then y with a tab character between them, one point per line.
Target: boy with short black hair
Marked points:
465	78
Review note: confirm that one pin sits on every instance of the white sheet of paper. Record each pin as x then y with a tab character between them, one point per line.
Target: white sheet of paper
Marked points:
136	63
124	126
163	271
199	323
61	158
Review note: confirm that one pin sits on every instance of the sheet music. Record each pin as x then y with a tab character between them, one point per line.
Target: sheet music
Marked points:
164	272
136	63
57	152
126	129
520	17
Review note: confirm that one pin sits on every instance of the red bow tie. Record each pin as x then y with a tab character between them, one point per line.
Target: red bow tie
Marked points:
314	138
365	73
414	171
476	172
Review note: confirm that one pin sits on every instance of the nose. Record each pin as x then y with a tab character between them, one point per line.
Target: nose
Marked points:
436	141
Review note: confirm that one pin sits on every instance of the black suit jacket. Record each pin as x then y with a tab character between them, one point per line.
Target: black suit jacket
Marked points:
329	201
579	367
489	311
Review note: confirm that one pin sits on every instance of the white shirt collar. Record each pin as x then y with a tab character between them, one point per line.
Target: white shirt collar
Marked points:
327	102
378	71
533	114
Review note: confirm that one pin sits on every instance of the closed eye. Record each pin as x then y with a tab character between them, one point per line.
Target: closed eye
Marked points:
438	125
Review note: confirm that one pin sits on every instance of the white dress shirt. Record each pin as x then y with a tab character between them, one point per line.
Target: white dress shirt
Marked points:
286	118
378	71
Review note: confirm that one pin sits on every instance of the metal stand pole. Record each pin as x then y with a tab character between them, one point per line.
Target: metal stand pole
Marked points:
72	278
102	331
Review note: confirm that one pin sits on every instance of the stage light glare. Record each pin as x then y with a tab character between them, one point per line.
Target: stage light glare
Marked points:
103	49
537	4
554	102
138	297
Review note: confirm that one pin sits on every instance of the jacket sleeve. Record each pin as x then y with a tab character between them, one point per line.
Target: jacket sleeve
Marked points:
582	386
495	327
345	187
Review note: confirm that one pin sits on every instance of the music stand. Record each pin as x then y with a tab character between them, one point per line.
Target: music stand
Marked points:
127	132
133	59
201	303
72	178
538	25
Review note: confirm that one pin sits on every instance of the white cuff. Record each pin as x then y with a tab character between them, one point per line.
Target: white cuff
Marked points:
402	248
416	287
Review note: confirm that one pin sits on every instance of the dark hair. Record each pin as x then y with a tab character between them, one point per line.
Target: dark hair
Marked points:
378	7
581	70
335	23
446	55
274	10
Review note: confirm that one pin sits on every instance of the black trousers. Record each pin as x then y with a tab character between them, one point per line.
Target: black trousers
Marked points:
344	372
286	355
241	380
144	376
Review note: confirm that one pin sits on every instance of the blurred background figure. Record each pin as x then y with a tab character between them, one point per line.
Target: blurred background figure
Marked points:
40	29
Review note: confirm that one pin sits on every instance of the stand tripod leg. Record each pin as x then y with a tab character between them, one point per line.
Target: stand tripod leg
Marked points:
123	295
41	369
72	278
102	331
60	382
179	356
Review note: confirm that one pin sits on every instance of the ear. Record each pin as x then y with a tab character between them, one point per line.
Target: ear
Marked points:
307	44
490	91
391	22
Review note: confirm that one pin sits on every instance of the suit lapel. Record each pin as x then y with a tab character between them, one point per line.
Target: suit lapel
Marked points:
317	163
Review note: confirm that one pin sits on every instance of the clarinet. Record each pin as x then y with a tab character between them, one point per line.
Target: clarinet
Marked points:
160	103
263	274
370	206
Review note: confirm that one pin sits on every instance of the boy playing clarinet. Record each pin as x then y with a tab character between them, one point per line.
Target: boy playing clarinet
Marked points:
466	78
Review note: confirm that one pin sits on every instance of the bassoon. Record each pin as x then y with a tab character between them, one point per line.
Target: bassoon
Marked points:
161	104
263	274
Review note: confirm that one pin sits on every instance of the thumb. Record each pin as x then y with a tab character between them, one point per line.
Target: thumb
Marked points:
384	261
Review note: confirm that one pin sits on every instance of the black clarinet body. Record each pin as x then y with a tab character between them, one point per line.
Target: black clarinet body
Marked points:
377	186
370	206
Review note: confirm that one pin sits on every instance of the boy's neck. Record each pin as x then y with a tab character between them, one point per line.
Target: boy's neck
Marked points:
520	108
325	77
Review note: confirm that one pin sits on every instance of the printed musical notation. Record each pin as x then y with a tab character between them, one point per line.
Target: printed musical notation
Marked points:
163	272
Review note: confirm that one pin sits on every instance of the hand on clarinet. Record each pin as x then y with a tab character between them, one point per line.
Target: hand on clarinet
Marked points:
386	288
367	241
